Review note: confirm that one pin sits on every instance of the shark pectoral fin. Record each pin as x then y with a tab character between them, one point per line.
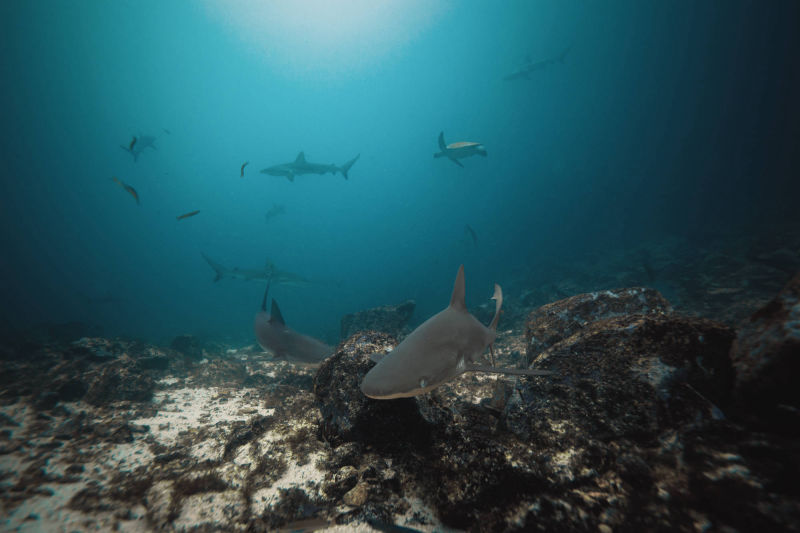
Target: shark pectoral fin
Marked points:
442	145
376	357
510	371
456	161
290	177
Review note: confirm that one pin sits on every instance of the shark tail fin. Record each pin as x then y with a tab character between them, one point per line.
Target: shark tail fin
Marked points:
346	167
218	269
498	303
266	292
442	144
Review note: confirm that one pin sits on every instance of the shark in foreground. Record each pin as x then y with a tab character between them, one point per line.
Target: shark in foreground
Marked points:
300	166
442	348
139	144
269	272
276	337
530	67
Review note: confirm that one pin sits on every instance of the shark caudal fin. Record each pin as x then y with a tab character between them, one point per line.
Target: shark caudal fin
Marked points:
498	303
346	167
218	269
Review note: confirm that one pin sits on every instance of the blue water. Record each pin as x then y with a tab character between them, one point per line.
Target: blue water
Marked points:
666	120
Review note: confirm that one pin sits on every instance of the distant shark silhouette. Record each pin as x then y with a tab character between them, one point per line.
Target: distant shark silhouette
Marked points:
442	348
530	67
139	144
269	272
300	166
277	338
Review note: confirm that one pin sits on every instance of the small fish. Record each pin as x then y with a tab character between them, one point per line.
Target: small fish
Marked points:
277	209
133	143
306	525
716	291
241	172
468	229
130	190
187	215
165	130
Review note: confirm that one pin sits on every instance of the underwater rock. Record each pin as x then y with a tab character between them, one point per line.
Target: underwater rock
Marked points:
390	319
188	345
95	349
121	379
348	415
627	377
766	358
558	320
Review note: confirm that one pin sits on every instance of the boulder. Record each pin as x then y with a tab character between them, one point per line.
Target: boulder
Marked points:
558	320
120	380
390	319
630	377
348	415
188	345
766	358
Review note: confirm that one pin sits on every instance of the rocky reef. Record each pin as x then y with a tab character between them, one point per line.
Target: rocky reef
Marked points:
391	319
652	420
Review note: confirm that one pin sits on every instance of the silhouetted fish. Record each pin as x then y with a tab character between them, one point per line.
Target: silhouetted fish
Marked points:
241	171
274	211
133	143
187	215
130	190
472	234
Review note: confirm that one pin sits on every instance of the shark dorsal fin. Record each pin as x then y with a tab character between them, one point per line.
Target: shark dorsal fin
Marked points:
301	158
457	299
275	316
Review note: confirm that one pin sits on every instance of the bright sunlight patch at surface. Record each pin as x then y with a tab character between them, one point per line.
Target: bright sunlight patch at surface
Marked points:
325	36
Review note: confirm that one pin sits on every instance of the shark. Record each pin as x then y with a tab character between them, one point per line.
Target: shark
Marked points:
442	348
139	144
301	166
530	67
269	273
276	337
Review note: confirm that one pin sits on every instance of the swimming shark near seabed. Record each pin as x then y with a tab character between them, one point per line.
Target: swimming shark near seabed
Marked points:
276	337
442	348
139	144
269	272
300	166
524	73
